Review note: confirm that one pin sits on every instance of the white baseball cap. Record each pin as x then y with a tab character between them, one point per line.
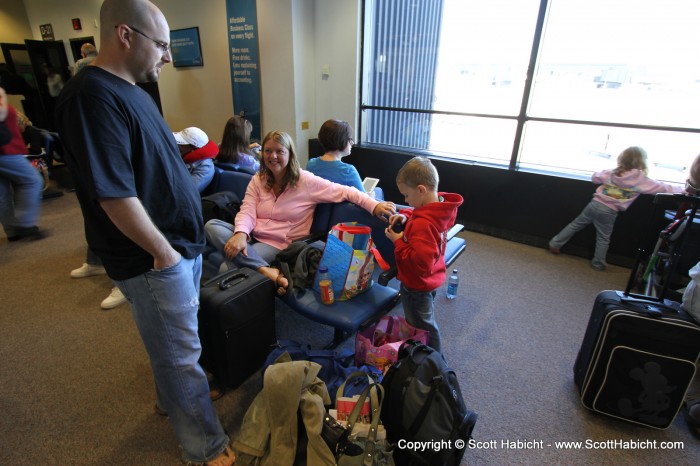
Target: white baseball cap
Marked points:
193	136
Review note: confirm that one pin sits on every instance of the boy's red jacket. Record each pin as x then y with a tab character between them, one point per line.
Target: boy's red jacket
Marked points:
420	254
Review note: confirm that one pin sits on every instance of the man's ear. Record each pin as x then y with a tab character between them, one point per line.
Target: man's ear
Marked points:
123	32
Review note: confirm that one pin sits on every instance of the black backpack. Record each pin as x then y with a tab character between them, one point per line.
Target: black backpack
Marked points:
223	205
424	404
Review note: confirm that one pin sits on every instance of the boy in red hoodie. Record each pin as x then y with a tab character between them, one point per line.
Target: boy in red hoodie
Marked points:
420	247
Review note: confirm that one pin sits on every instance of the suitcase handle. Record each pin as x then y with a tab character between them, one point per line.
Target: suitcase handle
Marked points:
643	305
234	279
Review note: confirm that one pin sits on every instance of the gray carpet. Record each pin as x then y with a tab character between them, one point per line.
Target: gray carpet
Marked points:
76	386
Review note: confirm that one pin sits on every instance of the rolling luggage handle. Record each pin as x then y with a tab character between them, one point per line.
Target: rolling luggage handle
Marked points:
234	279
679	199
227	279
649	306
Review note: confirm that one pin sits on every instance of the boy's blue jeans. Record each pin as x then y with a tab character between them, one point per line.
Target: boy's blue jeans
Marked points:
164	305
420	313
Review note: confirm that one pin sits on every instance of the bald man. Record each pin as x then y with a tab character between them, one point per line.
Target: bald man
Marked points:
88	52
142	212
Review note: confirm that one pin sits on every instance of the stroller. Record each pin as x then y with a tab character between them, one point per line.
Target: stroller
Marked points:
665	270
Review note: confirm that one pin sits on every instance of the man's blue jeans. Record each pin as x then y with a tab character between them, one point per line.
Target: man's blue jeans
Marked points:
20	193
164	304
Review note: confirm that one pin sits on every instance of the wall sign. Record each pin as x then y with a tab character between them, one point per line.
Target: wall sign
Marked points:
46	32
245	61
185	47
76	24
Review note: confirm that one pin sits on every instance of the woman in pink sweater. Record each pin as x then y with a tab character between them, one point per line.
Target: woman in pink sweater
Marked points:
617	191
278	209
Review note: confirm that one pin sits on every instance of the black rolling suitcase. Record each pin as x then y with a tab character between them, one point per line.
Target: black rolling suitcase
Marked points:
638	355
236	324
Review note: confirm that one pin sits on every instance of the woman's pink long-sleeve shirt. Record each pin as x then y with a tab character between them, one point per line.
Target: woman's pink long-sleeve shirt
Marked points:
278	221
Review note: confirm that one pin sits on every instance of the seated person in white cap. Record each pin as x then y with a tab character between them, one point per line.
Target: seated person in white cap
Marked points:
198	153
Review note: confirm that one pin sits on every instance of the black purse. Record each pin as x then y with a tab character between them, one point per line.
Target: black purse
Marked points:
336	437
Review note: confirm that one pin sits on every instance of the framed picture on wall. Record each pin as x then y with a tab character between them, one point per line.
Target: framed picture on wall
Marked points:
185	47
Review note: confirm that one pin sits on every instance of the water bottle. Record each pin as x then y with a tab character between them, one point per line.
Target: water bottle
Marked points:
452	285
326	286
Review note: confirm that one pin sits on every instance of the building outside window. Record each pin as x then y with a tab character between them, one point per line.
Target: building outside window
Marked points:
559	86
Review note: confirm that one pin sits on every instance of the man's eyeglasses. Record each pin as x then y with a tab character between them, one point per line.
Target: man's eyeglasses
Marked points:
165	48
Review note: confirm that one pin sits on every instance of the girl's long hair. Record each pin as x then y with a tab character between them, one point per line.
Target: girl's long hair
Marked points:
235	140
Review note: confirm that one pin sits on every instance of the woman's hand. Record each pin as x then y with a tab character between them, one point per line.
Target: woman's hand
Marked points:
384	210
237	243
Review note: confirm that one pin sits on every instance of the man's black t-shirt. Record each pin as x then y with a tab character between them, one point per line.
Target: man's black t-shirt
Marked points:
117	146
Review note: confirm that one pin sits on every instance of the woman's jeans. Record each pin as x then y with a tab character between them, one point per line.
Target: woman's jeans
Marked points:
420	312
20	193
259	255
603	219
164	305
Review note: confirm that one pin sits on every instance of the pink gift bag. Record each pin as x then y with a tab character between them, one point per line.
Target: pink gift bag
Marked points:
378	345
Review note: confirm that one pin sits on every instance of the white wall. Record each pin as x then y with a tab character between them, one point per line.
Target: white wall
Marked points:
199	96
296	38
304	85
14	28
14	24
60	14
337	45
276	65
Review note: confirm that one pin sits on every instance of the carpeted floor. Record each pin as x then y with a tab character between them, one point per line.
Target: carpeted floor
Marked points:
76	387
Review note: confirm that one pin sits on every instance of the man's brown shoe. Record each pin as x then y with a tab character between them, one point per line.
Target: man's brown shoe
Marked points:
226	458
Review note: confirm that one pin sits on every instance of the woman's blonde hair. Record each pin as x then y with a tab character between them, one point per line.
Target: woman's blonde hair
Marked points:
631	158
291	177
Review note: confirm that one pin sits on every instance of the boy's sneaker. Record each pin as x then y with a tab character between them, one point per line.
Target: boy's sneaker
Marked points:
87	270
114	299
554	250
599	268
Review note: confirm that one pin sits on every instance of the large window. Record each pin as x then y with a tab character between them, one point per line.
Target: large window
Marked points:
550	85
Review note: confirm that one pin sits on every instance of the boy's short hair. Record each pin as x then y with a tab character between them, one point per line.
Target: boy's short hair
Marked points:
419	170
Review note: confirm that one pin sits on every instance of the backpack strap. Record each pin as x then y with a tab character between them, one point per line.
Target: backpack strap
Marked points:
420	417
